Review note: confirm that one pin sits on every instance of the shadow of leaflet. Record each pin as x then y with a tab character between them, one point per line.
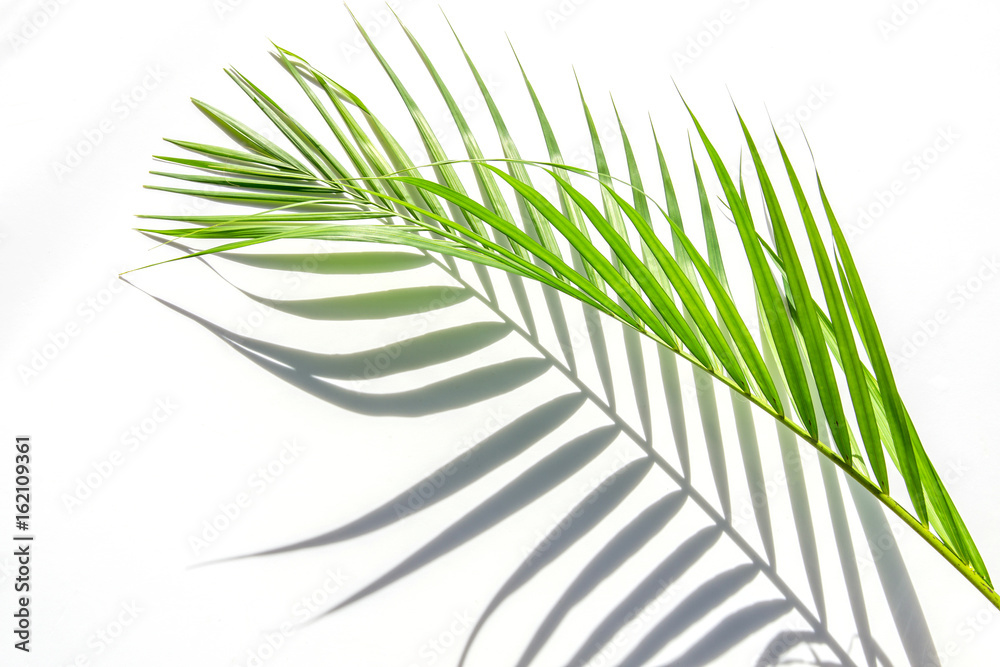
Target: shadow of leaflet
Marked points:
462	471
296	368
311	372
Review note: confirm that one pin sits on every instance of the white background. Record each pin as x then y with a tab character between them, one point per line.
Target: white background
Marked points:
871	95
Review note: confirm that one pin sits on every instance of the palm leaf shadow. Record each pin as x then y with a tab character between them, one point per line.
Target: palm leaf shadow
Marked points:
321	375
313	373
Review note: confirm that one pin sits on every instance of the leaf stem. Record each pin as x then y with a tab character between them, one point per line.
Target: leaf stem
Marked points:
963	568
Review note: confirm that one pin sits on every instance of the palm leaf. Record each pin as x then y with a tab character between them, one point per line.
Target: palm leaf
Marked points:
384	198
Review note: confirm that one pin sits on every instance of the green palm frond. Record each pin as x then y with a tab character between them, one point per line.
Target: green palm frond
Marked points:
806	367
